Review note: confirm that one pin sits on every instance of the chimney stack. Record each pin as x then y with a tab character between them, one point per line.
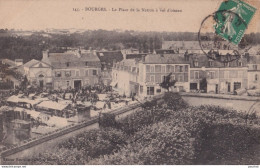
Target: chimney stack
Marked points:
45	54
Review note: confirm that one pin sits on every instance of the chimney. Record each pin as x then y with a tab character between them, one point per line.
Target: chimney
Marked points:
124	54
45	54
247	56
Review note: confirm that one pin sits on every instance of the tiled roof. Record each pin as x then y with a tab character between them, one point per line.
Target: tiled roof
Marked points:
164	51
31	63
8	61
133	56
254	59
60	60
110	56
165	59
72	57
203	61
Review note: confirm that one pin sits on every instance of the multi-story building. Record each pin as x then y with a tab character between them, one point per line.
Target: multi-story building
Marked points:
107	58
217	77
254	72
73	69
143	77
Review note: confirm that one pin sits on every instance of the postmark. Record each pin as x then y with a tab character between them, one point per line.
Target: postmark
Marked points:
211	48
232	19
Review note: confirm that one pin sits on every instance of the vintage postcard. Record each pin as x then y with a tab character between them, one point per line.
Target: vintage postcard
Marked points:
120	82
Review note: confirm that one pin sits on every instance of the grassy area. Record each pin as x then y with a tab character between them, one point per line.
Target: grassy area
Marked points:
168	133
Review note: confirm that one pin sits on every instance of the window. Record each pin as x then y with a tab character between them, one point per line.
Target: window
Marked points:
148	68
256	77
168	68
254	67
150	90
86	73
163	78
196	63
196	74
211	74
239	63
163	68
157	68
158	90
67	73
210	63
181	68
152	78
158	78
68	64
141	89
152	68
86	63
181	78
77	73
172	78
133	69
57	74
186	68
94	72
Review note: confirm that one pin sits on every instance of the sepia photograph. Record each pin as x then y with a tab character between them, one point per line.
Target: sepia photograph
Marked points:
120	82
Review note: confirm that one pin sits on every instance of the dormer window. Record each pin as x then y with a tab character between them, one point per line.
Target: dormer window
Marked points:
68	64
239	63
210	63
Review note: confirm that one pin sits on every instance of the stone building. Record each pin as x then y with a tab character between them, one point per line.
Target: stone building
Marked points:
73	69
143	77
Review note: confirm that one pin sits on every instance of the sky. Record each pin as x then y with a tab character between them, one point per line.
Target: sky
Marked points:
59	14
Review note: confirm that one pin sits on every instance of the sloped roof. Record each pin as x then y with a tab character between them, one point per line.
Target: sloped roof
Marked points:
72	56
164	51
165	59
31	63
110	56
8	62
133	56
203	61
254	59
59	60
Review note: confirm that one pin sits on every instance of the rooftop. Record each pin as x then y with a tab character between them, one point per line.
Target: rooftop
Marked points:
165	59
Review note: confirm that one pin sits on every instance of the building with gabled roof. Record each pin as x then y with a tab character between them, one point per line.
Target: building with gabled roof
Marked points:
38	73
73	69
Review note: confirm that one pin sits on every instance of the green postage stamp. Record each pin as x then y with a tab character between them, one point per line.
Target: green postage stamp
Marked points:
232	19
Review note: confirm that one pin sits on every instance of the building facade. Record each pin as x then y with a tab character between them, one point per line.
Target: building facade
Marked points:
38	73
73	69
254	73
143	77
217	77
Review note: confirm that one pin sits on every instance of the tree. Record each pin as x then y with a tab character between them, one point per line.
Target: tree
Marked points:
24	83
167	82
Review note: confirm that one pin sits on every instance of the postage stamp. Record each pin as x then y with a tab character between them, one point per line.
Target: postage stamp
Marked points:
232	19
